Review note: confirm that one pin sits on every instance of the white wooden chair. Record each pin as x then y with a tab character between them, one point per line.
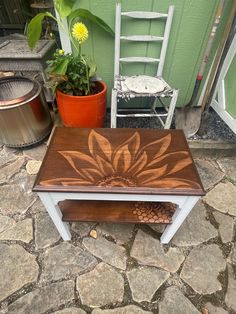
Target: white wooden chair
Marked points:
154	87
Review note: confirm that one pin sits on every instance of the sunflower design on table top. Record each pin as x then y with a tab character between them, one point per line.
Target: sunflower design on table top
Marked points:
129	164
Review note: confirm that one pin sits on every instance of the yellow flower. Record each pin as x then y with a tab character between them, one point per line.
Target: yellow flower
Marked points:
61	52
80	32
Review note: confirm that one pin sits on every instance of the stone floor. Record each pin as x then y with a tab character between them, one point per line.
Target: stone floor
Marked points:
112	268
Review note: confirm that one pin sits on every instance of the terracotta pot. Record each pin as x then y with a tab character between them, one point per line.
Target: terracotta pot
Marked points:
83	111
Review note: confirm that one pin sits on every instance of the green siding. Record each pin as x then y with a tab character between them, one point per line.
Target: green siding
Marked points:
192	24
230	83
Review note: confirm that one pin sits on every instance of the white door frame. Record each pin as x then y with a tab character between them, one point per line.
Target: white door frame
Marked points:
219	100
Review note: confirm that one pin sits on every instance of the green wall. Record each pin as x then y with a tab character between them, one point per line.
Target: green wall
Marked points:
191	26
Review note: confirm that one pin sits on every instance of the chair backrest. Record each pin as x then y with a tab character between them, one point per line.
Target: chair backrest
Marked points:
144	15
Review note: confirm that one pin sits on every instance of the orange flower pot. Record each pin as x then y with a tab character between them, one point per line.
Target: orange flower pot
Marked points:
83	111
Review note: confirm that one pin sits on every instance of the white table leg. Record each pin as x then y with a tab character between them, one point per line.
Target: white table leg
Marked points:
56	215
178	218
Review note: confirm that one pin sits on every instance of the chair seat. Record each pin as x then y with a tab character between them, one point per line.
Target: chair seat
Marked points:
124	90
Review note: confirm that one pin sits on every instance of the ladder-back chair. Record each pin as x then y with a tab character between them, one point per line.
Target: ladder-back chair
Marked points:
128	87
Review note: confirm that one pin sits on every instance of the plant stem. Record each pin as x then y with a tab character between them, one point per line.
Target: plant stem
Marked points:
87	74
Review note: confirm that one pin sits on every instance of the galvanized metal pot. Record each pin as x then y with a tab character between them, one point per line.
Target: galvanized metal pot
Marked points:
24	115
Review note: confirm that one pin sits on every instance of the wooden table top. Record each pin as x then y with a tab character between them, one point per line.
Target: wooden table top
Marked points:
137	161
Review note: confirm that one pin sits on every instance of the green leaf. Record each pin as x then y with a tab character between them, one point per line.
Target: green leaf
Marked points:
61	67
34	28
92	67
64	7
87	15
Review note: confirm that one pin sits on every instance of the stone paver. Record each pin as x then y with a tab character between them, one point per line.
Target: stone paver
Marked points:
233	254
33	166
228	165
121	233
37	207
66	260
5	223
107	251
82	228
43	274
7	156
202	267
175	302
17	197
21	230
223	198
25	181
21	201
157	228
215	309
37	152
195	229
18	268
70	310
102	286
11	169
226	226
209	174
148	251
129	309
43	299
230	298
46	233
145	281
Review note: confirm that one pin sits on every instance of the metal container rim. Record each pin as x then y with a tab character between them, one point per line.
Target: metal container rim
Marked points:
33	93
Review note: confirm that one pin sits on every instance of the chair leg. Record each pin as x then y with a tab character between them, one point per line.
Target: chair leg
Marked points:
113	108
171	109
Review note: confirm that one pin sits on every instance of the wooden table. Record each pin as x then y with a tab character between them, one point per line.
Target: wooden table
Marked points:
118	175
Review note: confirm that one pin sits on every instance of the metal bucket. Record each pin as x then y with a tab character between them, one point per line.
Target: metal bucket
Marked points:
24	115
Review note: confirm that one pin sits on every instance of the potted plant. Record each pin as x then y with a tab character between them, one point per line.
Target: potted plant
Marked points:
81	99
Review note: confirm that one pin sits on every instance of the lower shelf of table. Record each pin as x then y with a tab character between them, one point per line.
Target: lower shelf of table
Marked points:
117	211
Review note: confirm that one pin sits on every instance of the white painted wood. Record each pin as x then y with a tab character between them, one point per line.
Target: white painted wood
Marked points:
220	105
51	199
144	15
142	38
113	107
171	109
56	215
117	40
165	41
142	59
140	115
139	59
63	33
178	218
221	94
60	196
227	62
225	116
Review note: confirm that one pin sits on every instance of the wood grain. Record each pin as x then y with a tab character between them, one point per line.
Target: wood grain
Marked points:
113	211
139	161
